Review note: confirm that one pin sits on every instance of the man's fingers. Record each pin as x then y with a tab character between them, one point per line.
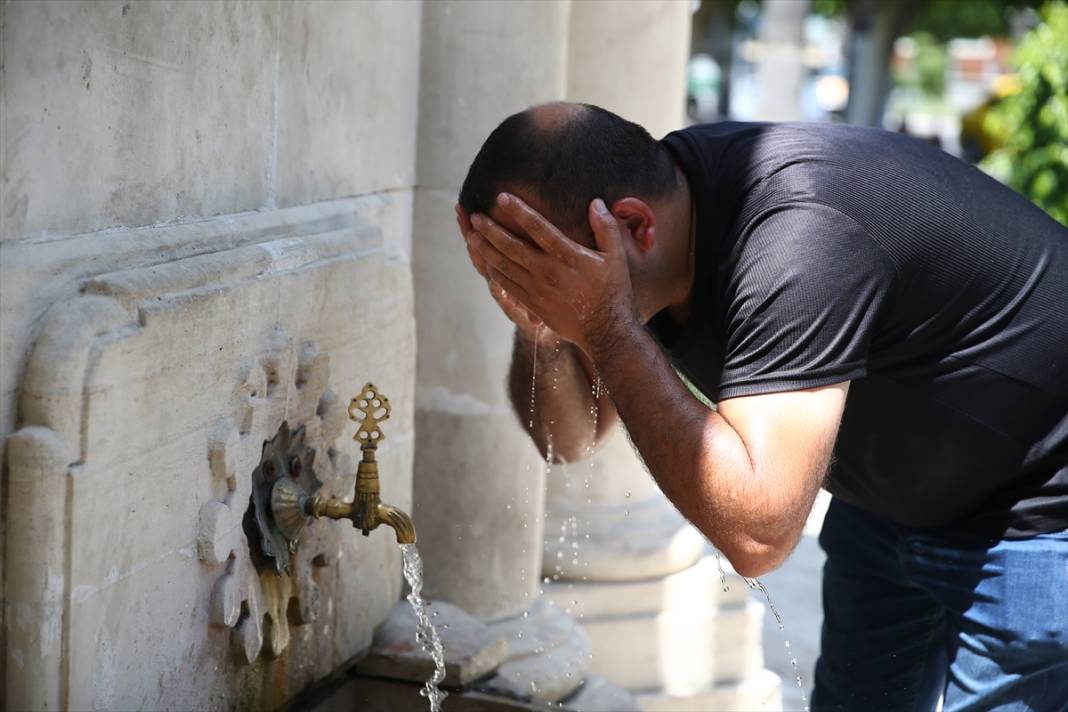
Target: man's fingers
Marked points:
498	261
512	308
517	250
513	290
534	224
476	259
605	227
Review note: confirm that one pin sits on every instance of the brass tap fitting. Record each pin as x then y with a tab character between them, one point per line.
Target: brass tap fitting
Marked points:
292	507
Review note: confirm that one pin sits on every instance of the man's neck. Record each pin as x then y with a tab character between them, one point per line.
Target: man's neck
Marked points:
679	285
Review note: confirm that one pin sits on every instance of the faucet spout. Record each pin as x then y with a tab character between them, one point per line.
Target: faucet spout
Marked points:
399	520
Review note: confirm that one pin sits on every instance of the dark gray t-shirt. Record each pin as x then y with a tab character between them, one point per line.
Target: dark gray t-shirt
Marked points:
828	253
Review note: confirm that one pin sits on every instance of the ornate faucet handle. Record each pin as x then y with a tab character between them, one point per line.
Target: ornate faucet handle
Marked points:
368	409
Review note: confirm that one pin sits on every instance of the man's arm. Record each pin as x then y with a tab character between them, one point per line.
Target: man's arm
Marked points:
746	476
553	394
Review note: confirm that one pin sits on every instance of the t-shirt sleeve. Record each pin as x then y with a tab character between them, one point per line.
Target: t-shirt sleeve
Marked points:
802	301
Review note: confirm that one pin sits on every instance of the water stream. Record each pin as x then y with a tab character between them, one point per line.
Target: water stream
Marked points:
758	586
425	632
596	392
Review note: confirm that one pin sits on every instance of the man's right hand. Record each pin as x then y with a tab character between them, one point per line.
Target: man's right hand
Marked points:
527	323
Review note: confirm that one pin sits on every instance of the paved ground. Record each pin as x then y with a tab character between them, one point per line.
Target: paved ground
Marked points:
795	590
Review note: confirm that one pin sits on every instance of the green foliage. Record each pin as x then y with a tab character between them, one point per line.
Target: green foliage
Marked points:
829	8
946	19
1032	124
927	71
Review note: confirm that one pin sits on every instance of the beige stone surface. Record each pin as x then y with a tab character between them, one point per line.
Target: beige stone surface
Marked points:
613	475
697	586
549	654
479	489
134	113
681	632
606	520
478	513
36	274
472	650
647	43
347	83
482	61
162	396
681	652
762	691
465	340
189	109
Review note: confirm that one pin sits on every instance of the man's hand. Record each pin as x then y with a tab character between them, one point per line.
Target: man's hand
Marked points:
583	295
527	323
561	425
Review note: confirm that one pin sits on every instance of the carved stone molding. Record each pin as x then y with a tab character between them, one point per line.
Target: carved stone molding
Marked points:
144	405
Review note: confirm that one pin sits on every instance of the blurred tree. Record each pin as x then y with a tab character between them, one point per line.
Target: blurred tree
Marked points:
947	19
873	27
875	24
927	71
712	33
1032	124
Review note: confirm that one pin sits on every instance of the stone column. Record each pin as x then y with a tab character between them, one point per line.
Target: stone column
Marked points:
630	57
662	619
665	618
479	482
781	72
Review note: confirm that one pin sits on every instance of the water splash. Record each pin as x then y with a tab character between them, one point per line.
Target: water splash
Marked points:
722	573
424	630
534	376
758	586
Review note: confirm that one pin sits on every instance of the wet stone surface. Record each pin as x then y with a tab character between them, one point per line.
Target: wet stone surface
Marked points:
472	651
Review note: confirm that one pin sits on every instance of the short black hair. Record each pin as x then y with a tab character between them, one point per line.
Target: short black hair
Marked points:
592	154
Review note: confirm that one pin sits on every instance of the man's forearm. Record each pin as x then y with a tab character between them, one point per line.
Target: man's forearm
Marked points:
700	462
553	395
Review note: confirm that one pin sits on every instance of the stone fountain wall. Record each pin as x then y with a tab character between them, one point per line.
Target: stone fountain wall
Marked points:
205	233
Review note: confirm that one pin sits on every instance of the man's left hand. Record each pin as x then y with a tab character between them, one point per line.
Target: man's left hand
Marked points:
584	295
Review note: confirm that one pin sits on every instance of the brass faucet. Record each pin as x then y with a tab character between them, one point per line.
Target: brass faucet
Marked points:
292	507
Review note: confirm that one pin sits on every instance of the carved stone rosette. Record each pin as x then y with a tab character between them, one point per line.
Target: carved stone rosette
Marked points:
286	385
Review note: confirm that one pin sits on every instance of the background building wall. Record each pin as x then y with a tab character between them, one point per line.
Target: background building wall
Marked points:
176	175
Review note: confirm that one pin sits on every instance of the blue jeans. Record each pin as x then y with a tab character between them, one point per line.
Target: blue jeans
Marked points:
914	614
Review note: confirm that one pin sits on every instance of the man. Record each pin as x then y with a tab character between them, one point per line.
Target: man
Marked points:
835	290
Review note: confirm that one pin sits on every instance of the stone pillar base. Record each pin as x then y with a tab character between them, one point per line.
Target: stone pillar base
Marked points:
548	654
761	691
679	638
541	655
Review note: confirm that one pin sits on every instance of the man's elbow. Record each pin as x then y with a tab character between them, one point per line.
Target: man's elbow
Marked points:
752	558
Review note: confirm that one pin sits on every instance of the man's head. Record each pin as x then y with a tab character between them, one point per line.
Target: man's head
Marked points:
560	156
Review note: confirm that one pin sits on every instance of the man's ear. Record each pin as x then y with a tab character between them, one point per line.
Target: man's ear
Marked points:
639	220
